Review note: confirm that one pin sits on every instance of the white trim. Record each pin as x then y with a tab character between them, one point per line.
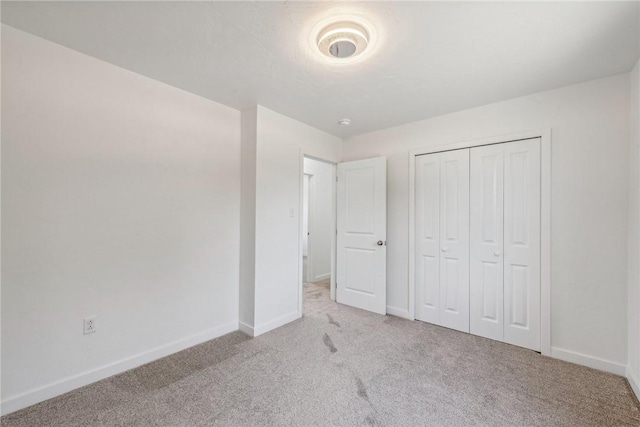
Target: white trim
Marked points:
245	329
334	233
311	205
590	361
399	312
301	279
545	241
498	139
633	382
412	238
321	277
275	323
545	218
40	394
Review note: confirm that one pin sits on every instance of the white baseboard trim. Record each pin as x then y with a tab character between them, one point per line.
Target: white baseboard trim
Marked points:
40	394
275	323
634	382
321	277
246	329
400	312
590	361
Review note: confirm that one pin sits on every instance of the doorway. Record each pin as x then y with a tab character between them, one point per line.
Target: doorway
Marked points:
318	232
343	229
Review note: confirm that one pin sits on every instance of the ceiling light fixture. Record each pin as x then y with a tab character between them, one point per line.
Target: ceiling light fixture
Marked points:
344	122
343	39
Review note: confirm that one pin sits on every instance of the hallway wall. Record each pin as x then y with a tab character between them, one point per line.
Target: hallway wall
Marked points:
321	212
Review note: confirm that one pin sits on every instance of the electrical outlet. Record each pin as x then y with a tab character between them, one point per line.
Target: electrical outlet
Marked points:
89	325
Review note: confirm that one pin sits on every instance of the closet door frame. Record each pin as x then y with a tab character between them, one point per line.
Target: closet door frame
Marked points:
545	220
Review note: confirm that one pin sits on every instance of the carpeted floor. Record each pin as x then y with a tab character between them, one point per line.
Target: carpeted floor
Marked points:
342	366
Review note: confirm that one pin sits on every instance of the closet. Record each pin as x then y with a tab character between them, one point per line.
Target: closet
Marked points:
477	241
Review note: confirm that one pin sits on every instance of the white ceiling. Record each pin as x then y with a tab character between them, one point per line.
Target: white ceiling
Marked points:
433	57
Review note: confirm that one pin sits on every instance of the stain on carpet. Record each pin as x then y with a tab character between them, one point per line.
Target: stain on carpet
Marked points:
371	421
327	341
362	390
331	321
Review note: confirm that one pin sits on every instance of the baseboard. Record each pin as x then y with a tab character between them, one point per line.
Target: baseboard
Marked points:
634	382
400	312
275	323
40	394
590	361
321	277
244	328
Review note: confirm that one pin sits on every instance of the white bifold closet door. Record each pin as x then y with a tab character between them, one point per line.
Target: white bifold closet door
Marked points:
505	242
442	239
486	236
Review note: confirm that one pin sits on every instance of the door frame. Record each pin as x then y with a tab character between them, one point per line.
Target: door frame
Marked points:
545	218
306	179
334	195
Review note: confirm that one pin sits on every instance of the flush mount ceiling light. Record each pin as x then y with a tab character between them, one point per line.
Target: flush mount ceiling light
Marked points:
344	122
343	39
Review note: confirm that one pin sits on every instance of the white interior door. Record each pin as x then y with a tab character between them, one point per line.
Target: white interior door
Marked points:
427	229
522	243
454	240
362	233
486	242
442	239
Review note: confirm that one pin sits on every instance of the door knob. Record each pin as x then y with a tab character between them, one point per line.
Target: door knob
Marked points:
379	243
443	249
496	253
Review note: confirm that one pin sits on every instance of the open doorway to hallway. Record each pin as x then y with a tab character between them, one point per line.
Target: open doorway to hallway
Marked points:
318	232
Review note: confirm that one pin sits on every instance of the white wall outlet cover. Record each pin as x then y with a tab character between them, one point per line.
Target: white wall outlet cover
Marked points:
89	325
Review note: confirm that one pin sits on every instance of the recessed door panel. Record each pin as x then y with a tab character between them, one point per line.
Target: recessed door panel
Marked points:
519	313
430	274
522	243
491	292
451	281
360	270
360	200
486	242
451	198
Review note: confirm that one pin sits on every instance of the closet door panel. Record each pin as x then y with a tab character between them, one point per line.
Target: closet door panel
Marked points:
454	240
427	261
486	242
522	243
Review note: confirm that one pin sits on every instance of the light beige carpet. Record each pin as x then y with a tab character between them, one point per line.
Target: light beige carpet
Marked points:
342	366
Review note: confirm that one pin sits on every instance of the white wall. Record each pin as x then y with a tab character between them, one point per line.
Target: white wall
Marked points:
633	367
321	212
590	126
248	218
281	143
121	200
